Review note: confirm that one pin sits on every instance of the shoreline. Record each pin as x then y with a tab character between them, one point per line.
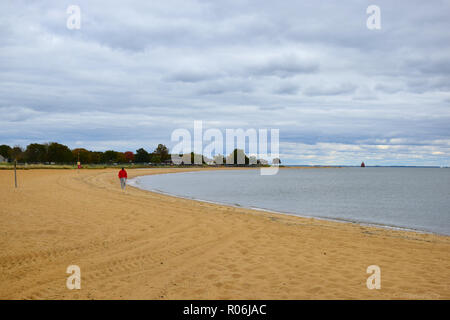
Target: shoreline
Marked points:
133	183
144	245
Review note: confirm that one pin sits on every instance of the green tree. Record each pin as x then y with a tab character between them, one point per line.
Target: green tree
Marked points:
121	158
95	157
162	151
141	156
59	153
16	153
84	155
155	158
5	151
109	156
36	152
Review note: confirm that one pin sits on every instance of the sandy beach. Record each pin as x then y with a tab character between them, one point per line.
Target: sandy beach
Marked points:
142	245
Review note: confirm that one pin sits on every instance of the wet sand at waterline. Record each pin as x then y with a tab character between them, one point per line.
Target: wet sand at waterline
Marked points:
143	245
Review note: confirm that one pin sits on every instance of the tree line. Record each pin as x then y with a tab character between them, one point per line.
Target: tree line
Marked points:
54	152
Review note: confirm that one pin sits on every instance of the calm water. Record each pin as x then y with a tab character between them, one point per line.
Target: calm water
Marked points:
415	198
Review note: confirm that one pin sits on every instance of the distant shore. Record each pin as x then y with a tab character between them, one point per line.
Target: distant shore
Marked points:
25	166
143	245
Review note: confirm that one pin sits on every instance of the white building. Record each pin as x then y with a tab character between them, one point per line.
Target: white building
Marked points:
2	159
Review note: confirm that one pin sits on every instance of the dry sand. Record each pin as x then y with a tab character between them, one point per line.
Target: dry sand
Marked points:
142	245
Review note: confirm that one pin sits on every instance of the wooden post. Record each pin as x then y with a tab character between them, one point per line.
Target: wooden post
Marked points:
15	173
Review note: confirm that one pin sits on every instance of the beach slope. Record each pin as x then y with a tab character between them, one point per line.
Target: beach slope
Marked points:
142	245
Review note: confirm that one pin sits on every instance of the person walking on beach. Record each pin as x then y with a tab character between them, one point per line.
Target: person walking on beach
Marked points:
123	178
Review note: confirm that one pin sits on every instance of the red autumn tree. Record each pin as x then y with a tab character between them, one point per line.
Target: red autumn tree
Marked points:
129	156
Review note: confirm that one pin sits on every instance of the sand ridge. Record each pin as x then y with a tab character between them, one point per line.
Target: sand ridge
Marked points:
143	245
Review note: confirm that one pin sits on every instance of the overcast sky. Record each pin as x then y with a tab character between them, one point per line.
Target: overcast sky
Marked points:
136	70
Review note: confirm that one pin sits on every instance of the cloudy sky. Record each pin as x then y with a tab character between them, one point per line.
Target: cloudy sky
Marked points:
136	70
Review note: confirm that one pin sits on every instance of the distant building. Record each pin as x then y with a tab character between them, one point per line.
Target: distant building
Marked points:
3	159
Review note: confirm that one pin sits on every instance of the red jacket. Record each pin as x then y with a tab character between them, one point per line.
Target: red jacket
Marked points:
122	174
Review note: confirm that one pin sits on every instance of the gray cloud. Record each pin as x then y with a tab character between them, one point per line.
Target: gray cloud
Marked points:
191	76
388	88
327	90
284	66
287	89
136	70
